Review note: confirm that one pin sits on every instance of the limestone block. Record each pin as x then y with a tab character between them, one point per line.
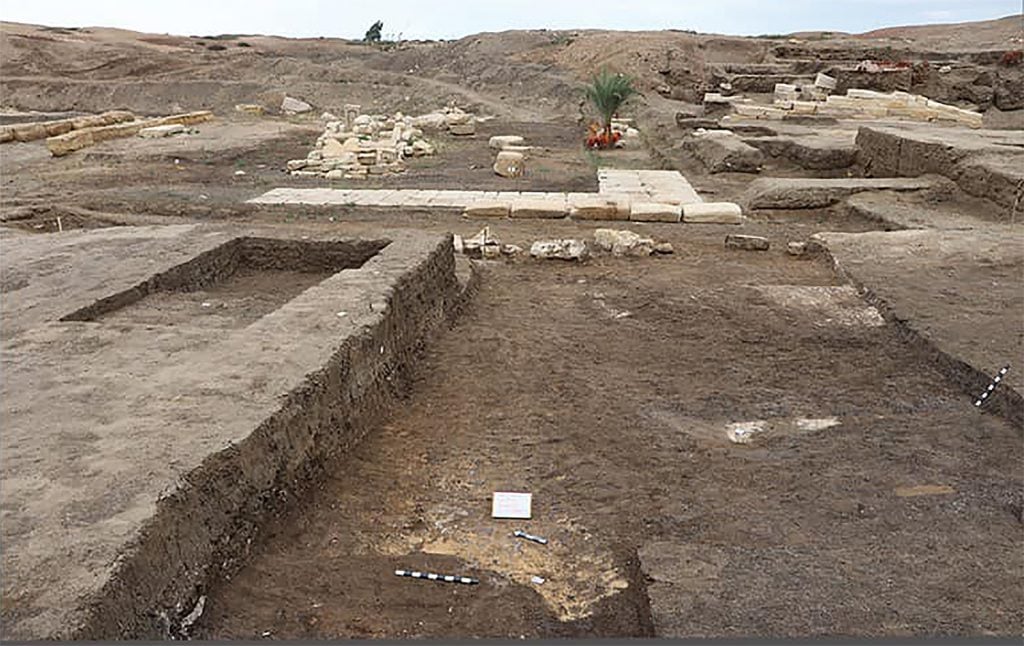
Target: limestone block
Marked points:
431	121
713	213
29	131
758	111
58	127
488	209
6	134
749	243
623	242
509	164
567	249
457	118
156	132
540	208
498	142
250	108
598	208
655	212
294	106
824	81
462	129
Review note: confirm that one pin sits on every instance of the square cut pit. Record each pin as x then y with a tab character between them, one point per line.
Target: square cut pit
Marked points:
231	285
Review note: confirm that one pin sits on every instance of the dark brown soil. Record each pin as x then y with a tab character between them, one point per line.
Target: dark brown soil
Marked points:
616	425
247	296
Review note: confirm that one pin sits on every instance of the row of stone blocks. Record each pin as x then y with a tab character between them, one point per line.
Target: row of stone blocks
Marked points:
608	208
69	142
43	129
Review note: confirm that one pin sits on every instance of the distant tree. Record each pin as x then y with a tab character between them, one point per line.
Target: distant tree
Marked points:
373	33
607	92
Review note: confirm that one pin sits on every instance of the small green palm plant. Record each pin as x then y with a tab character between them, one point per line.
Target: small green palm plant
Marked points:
607	92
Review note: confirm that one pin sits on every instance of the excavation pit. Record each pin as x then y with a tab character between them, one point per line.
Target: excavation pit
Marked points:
145	447
231	285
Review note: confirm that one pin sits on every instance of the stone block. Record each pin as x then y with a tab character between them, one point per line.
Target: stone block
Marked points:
294	106
509	164
623	242
539	208
597	207
250	108
462	129
749	243
498	142
655	212
567	249
488	209
156	132
713	213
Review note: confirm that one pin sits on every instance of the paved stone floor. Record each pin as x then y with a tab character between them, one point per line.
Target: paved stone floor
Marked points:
660	186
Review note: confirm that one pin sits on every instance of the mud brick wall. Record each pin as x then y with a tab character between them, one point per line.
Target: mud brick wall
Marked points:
207	526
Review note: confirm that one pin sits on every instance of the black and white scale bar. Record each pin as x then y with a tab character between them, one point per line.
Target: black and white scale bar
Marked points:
992	386
430	576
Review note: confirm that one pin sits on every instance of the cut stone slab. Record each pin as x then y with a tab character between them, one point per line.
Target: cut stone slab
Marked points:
811	193
567	249
488	209
655	212
509	164
713	213
548	209
724	151
295	106
462	129
499	142
157	132
749	243
598	208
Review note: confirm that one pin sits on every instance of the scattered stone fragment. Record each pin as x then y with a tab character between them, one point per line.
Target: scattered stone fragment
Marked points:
567	249
509	164
623	242
750	243
511	249
482	245
744	432
712	213
290	105
664	248
250	108
796	248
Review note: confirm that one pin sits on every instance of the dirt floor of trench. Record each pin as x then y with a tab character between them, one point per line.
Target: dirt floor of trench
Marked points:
607	391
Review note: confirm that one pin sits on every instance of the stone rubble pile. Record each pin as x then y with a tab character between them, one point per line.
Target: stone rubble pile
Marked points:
360	145
856	104
627	243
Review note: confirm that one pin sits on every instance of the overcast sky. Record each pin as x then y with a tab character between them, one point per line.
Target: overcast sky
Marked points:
454	18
